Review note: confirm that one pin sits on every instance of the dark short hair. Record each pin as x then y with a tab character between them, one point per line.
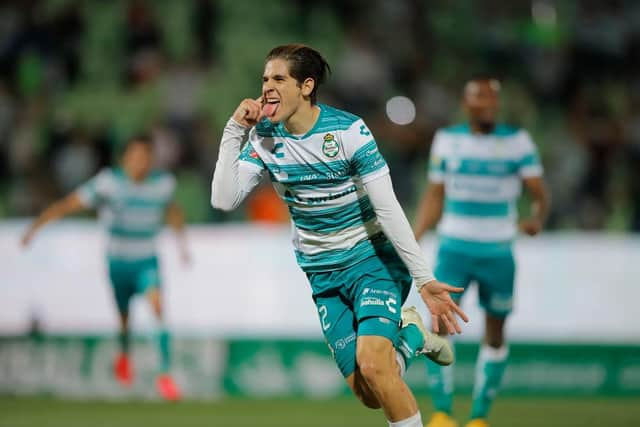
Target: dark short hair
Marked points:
304	62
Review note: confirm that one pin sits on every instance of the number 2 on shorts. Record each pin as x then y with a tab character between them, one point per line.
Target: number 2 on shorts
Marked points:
323	317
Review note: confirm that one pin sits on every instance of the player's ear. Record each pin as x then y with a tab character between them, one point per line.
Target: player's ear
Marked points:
307	86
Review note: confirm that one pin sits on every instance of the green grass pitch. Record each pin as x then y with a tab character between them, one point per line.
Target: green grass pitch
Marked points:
346	412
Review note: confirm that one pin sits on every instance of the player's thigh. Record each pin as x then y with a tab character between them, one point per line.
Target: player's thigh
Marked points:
375	356
123	284
148	276
495	277
339	328
379	287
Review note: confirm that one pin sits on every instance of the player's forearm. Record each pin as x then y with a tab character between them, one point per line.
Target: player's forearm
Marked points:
540	206
226	190
541	200
430	209
396	227
56	211
428	215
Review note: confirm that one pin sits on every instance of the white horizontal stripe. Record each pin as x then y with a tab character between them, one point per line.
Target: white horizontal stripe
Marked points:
131	248
482	229
311	243
482	188
159	190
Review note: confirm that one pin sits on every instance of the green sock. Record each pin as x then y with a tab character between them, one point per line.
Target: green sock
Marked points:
440	380
123	340
408	343
164	344
490	368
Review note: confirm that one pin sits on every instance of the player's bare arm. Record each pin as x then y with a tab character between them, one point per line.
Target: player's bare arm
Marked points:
57	210
430	209
175	219
540	204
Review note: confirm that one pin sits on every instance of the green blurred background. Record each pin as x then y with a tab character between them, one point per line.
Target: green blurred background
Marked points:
79	77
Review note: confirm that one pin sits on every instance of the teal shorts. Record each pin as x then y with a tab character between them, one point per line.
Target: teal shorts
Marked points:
494	275
364	299
132	277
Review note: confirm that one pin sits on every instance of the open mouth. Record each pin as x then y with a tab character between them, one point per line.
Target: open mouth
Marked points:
270	108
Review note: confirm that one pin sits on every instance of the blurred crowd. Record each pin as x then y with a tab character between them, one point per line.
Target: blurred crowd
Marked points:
77	78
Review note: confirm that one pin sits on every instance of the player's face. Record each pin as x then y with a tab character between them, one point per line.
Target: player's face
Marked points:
481	102
281	93
137	161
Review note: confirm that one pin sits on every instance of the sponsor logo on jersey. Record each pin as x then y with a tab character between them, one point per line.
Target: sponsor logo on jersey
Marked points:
330	146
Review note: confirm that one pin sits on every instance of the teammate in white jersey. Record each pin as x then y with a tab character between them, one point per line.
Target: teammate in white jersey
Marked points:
475	178
134	203
350	235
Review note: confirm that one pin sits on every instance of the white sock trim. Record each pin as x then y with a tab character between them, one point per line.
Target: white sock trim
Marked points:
492	354
414	421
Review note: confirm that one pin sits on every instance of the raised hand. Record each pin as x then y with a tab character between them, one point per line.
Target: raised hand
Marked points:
249	112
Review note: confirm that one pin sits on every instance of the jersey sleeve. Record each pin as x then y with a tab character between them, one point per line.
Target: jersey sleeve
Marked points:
96	189
363	154
529	165
437	162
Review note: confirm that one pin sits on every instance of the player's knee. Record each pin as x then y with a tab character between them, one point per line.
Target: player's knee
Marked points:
372	367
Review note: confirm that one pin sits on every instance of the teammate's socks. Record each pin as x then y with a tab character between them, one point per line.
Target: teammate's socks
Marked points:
490	368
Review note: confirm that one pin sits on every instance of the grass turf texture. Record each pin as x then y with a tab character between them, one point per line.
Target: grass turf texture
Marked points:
346	412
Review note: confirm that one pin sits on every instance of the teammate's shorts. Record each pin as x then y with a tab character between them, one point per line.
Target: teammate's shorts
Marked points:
494	275
132	277
374	288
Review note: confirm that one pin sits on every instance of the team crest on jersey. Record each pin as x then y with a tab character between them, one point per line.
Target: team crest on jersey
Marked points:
330	146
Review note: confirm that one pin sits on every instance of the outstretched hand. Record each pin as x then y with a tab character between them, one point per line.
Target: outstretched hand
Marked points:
249	112
442	307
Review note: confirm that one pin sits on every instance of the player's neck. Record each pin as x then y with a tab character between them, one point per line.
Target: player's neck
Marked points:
134	179
482	128
303	119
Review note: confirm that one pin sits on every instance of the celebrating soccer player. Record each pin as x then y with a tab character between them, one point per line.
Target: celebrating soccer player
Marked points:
350	235
134	202
475	178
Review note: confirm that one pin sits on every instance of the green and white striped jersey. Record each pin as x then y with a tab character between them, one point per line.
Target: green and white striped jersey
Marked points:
320	176
482	175
133	212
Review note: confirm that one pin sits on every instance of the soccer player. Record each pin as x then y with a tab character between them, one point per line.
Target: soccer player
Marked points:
134	203
350	235
475	178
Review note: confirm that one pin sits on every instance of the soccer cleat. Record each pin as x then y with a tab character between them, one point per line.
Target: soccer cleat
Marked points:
477	422
167	388
123	370
435	347
441	419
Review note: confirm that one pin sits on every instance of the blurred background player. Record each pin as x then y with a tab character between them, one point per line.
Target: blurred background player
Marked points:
134	202
350	234
475	177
